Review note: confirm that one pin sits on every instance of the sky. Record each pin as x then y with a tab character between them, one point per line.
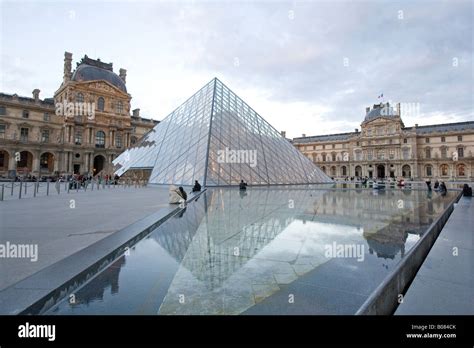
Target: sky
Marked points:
307	67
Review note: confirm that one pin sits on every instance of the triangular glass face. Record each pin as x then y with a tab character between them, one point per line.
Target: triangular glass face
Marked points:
217	139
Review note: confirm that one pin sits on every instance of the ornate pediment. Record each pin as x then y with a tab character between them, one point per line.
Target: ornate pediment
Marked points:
99	86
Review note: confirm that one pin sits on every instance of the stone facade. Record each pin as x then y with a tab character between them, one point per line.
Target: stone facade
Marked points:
80	130
384	147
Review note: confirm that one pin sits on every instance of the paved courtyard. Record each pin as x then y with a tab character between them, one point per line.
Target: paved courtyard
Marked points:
63	224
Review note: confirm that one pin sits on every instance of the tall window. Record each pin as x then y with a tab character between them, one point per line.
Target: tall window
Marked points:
461	170
429	171
24	134
45	136
444	170
324	157
100	104
406	153
334	157
80	98
427	140
26	114
405	141
428	153
3	110
358	155
78	137
46	117
460	152
444	152
392	154
459	137
369	155
118	140
2	131
100	139
333	146
443	139
120	107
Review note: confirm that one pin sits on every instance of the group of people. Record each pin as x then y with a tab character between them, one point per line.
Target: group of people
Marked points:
441	187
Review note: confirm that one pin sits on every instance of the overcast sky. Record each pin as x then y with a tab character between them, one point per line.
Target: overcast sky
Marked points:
307	67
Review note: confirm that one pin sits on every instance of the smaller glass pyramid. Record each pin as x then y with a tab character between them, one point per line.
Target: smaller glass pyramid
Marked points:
216	138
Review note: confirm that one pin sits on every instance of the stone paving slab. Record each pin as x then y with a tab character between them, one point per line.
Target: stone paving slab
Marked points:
445	282
63	224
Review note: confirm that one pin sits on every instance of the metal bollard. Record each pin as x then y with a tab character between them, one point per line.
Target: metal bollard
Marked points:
3	191
19	195
26	186
47	188
34	188
13	185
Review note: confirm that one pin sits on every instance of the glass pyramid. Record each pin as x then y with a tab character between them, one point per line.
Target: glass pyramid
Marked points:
216	138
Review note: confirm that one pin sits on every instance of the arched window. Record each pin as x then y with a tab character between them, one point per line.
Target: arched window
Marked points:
461	170
80	98
344	170
333	171
444	152
100	139
444	169
100	104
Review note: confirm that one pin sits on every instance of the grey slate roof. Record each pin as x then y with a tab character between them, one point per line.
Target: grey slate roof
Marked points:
329	137
85	72
443	127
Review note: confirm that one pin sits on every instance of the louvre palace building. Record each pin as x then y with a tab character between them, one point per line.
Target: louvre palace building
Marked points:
81	129
385	148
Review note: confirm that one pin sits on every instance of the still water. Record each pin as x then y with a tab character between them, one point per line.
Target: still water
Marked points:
287	250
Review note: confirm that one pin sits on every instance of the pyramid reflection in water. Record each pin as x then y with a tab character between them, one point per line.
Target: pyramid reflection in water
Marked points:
216	138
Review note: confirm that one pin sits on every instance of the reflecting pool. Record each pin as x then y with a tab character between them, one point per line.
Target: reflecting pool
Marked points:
285	250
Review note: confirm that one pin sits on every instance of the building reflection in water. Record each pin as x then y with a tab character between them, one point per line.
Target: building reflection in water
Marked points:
234	249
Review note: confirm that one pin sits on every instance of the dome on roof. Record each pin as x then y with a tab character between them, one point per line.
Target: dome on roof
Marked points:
86	72
380	110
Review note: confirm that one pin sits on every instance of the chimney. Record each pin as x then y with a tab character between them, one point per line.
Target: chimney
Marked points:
67	67
398	109
416	125
367	109
303	135
123	75
36	93
283	134
136	113
356	130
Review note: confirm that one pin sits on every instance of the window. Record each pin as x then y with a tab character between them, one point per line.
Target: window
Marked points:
46	117
333	146
461	170
405	141
369	155
120	107
444	170
428	153
369	132
24	134
133	140
459	137
429	171
379	130
444	152
3	110
100	139
2	131
391	154
80	98
390	141
324	146
324	157
45	136
358	155
427	140
2	159
358	143
100	104
78	137
460	152
406	153
334	157
443	139
344	170
381	154
26	114
118	140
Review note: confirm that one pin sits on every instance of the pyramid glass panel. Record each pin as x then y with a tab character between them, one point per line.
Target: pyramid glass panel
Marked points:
217	139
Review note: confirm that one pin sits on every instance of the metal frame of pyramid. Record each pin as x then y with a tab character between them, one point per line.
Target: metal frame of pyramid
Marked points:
216	138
